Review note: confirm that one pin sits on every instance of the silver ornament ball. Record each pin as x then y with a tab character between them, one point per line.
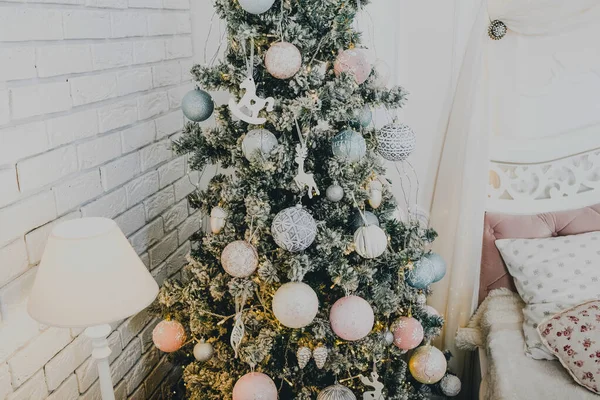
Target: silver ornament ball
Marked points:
294	229
283	60
450	385
395	142
258	142
239	259
197	105
256	6
335	193
203	351
358	221
349	146
388	338
336	392
363	117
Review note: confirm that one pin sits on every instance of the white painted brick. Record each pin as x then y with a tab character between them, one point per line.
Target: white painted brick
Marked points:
126	360
138	136
132	220
145	3
148	51
142	187
9	185
107	3
38	352
23	141
162	250
16	330
177	4
99	151
17	63
152	104
134	80
47	168
87	372
117	115
171	171
178	47
67	391
28	101
178	259
160	274
85	24
90	89
75	126
120	171
158	374
21	24
37	238
93	393
147	236
77	191
176	94
13	261
168	23
186	68
146	335
107	206
66	361
186	185
159	202
141	370
176	215
166	74
25	215
155	154
112	55
189	227
63	59
34	389
139	393
146	260
4	107
168	124
5	384
128	24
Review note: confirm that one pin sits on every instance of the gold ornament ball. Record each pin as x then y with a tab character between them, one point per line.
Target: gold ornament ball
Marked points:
428	365
283	60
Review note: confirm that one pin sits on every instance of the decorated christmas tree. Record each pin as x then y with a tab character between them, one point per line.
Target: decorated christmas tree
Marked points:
306	286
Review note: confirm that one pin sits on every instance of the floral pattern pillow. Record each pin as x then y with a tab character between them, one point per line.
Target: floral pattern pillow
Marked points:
574	337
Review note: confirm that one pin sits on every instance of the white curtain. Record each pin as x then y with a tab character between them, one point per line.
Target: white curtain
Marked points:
460	193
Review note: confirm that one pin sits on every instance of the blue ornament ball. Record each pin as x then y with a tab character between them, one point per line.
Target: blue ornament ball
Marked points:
349	146
422	274
439	266
358	221
363	117
197	105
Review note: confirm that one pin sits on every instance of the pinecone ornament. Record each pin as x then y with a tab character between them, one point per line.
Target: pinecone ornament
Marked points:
320	355
303	354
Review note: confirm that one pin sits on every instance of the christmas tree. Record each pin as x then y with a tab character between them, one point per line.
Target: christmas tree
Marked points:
306	285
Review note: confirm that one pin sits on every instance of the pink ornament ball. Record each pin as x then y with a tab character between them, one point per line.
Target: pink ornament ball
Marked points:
353	62
168	336
428	365
255	386
283	60
351	318
408	333
432	311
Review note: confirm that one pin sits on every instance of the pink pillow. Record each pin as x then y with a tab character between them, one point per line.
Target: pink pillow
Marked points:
573	336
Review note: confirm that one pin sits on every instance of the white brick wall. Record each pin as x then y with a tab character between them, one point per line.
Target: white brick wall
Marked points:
89	97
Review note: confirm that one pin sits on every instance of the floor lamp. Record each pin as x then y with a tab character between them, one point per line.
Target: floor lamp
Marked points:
90	276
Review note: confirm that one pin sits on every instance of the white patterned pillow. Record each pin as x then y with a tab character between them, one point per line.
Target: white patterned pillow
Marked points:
551	275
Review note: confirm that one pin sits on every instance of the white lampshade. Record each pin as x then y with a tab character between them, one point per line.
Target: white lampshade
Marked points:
89	275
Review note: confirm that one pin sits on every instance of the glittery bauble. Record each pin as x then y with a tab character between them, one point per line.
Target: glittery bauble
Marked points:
335	193
408	333
203	351
353	62
258	142
395	142
497	29
428	365
450	385
439	266
422	274
349	146
336	392
217	219
197	105
168	336
370	241
283	60
388	338
295	305
303	355
358	221
320	355
351	318
256	6
432	311
239	259
294	229
363	117
255	386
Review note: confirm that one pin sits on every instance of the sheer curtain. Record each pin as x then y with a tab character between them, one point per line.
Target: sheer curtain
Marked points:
460	192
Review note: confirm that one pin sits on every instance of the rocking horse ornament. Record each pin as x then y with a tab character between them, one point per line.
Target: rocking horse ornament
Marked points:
251	102
302	178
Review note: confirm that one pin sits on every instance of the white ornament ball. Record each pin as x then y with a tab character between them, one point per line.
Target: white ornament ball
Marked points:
383	73
375	193
203	351
439	266
349	146
255	386
258	142
335	193
336	392
294	229
428	364
351	318
388	337
395	142
370	241
432	311
450	385
239	259
353	62
197	105
218	217
295	305
358	220
256	6
283	60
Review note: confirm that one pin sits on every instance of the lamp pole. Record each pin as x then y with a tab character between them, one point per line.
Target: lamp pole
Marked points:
100	353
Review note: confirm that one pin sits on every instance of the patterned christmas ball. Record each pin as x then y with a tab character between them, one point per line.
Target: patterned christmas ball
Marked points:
283	60
336	392
351	318
168	336
432	311
295	305
422	274
349	146
450	385
197	105
382	74
294	229
363	116
408	333
255	386
256	6
439	266
335	193
303	355
395	142
239	259
370	241
358	221
428	365
257	143
353	62
203	351
218	217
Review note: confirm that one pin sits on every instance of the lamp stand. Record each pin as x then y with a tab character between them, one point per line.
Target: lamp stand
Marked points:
100	353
